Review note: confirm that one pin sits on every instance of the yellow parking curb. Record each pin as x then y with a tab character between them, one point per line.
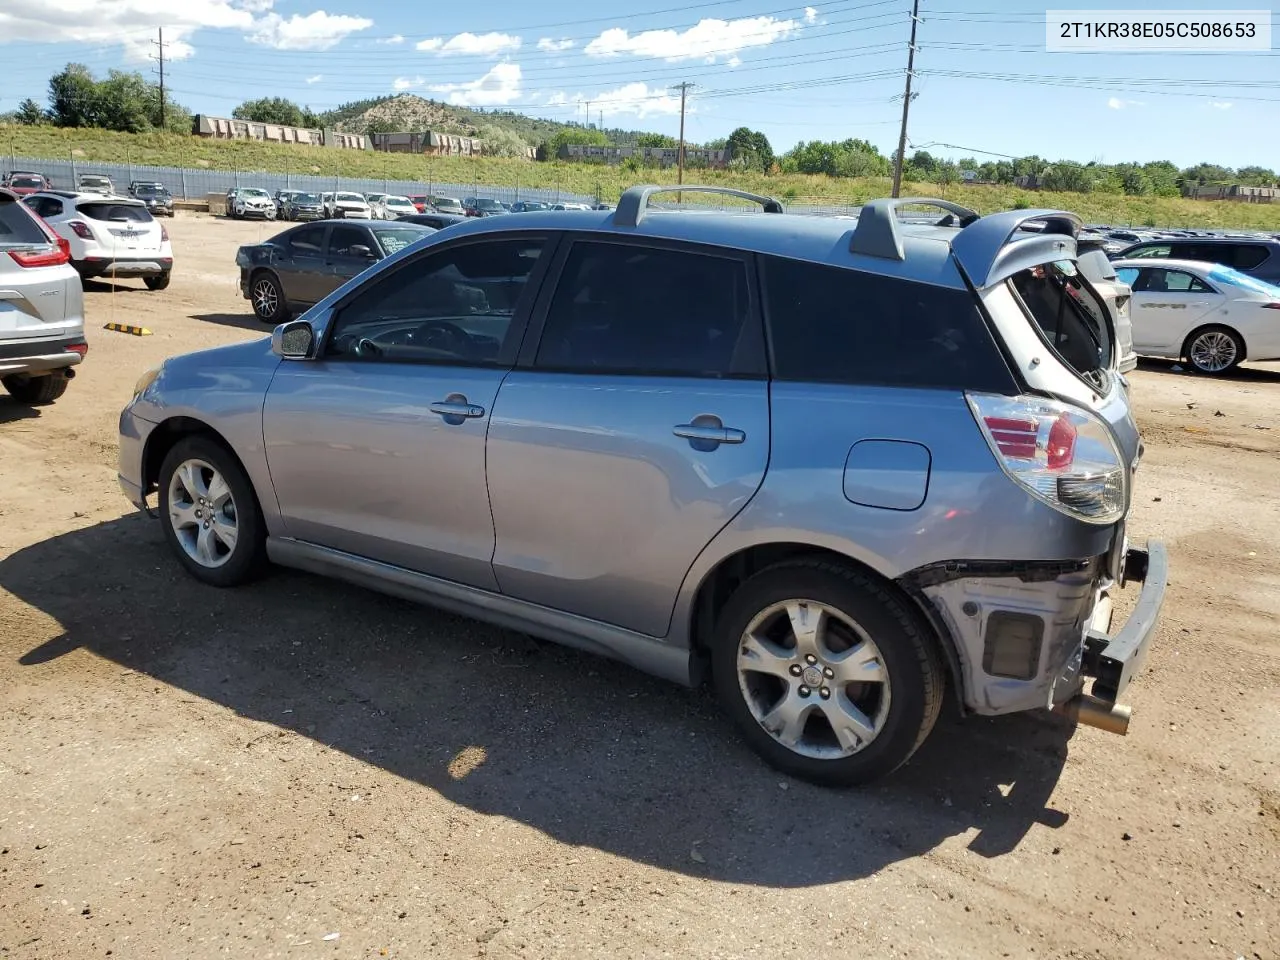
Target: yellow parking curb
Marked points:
128	328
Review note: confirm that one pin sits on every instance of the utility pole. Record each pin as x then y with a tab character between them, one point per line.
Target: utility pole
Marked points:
587	115
684	90
160	45
906	101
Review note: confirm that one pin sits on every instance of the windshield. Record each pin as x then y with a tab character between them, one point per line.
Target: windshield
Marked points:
1235	278
350	198
150	190
483	204
254	192
535	205
306	198
26	182
397	238
449	202
397	202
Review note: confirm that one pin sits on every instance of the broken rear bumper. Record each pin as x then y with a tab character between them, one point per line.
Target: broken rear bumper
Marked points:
1114	659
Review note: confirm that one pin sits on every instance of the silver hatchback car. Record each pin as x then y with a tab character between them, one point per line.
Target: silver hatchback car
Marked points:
832	465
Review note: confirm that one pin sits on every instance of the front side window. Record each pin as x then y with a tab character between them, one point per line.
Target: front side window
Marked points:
834	325
623	308
344	238
450	306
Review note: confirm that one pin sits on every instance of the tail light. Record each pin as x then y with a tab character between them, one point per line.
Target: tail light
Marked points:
80	348
41	257
1062	455
80	229
1271	306
164	234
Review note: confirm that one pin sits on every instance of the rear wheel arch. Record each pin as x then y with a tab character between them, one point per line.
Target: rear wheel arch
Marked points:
1185	353
719	584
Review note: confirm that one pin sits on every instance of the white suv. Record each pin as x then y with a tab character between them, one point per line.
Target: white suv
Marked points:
251	202
108	236
349	205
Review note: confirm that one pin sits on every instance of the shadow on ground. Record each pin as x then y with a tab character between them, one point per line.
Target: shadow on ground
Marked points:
11	410
587	751
244	321
1245	373
117	286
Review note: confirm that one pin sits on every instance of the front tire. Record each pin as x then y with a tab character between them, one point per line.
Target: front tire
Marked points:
267	297
37	391
210	514
827	674
1214	350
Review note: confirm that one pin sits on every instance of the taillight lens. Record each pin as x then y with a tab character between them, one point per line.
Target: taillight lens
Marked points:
1271	306
164	234
80	229
1062	455
40	257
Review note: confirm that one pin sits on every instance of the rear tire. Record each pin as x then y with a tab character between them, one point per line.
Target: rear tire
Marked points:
36	391
1214	350
846	703
267	297
210	514
156	283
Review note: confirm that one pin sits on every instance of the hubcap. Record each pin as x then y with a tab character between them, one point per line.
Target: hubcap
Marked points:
202	513
813	679
1213	351
264	297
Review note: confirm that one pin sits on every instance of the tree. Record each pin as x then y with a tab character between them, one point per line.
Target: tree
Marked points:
29	113
569	135
847	158
123	101
1256	176
656	140
276	110
503	143
1203	173
751	149
73	98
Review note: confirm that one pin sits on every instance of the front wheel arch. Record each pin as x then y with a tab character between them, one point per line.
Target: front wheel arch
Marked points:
168	435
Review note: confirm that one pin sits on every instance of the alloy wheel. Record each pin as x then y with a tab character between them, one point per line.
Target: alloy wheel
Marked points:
202	512
265	300
1213	351
813	679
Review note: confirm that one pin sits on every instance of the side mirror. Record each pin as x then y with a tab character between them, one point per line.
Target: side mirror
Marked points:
294	340
360	250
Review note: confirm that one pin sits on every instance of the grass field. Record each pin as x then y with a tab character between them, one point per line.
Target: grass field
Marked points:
174	150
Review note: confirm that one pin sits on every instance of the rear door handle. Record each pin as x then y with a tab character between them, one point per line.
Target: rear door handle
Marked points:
457	408
708	433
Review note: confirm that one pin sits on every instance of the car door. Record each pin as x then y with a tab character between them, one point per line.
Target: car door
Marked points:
302	269
634	428
1167	305
377	447
344	258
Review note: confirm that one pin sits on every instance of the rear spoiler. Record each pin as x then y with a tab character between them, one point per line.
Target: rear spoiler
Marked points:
987	249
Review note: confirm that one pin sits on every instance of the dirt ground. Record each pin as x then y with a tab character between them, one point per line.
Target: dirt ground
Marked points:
301	768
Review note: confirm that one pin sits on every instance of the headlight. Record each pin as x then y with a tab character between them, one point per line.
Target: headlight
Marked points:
146	380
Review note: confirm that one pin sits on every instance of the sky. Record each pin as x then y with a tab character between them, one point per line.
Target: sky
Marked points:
802	71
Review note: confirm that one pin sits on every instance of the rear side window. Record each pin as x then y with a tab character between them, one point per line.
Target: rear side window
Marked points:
624	308
1161	280
17	226
833	325
307	242
115	211
1249	255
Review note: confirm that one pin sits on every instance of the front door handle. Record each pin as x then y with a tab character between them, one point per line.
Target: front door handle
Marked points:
709	433
455	406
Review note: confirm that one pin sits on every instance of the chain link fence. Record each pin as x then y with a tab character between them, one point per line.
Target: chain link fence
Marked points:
197	183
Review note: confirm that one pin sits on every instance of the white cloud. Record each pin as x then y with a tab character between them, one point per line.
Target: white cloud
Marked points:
316	79
400	84
734	61
131	24
1115	103
554	46
810	15
392	41
498	87
255	6
314	31
471	44
634	99
1221	104
708	40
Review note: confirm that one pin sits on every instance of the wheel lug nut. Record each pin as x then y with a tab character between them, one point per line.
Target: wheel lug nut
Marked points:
795	670
825	693
805	691
810	658
828	672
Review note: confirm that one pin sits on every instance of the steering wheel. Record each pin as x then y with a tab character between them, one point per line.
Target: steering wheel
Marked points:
458	340
367	348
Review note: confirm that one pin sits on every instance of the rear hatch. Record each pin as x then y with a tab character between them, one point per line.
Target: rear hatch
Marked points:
36	295
125	228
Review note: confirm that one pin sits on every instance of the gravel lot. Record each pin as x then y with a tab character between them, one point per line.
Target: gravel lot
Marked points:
300	768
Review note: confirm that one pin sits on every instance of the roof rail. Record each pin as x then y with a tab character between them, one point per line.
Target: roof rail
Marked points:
877	234
986	256
635	202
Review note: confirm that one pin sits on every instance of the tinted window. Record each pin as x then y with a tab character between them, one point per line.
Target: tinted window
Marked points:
451	306
44	206
1249	255
17	225
1067	314
344	238
116	211
1152	250
306	242
832	325
629	309
1160	280
25	182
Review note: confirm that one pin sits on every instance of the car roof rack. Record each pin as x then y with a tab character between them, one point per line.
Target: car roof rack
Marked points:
634	203
877	233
